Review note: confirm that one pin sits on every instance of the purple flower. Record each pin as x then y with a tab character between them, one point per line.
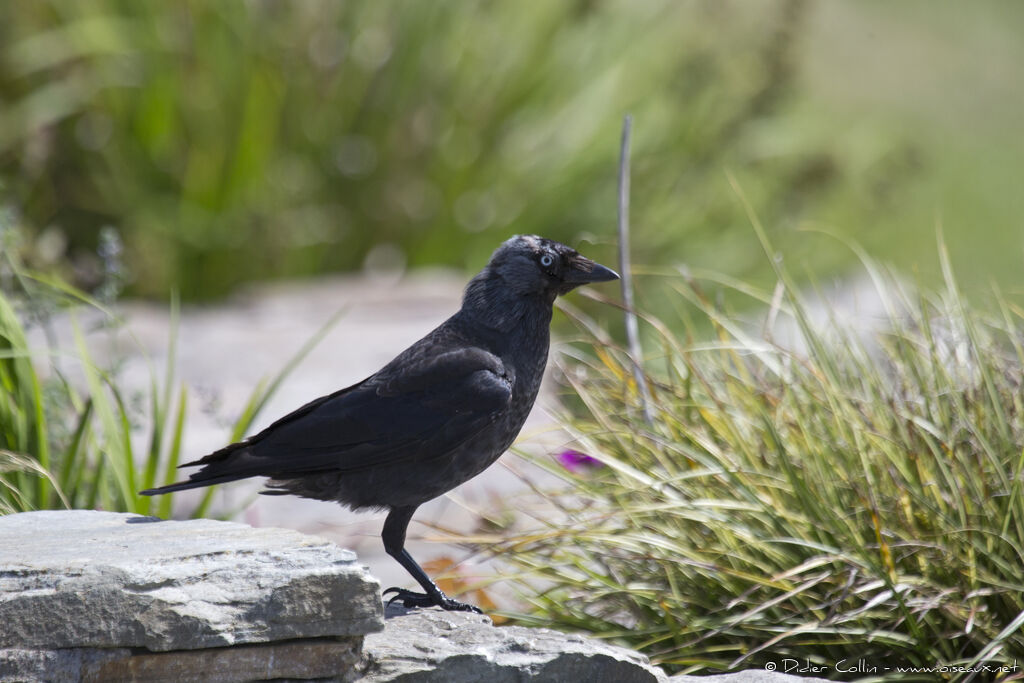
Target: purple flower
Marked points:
577	462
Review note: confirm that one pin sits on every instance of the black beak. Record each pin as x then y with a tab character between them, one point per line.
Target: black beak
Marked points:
602	274
583	271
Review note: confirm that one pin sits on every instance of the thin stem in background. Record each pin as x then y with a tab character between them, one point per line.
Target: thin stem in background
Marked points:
632	327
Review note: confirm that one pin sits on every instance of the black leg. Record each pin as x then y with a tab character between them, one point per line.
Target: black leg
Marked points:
393	536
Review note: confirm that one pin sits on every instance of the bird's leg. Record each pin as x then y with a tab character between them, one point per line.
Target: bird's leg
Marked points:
393	536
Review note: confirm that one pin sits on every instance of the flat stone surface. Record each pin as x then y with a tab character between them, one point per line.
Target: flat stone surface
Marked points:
84	578
312	658
430	645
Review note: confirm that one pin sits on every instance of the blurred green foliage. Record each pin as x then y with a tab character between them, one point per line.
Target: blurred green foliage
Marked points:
71	433
233	141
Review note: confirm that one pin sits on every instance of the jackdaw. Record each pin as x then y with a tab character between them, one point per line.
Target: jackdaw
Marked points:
434	417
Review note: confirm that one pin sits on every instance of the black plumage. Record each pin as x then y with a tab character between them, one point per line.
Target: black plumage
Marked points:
434	417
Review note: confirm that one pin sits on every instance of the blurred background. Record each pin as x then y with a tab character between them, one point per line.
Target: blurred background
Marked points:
213	144
268	162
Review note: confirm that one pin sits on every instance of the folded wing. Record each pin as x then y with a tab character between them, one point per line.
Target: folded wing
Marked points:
424	411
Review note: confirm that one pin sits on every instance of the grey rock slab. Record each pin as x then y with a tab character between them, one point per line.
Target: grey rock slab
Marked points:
432	646
56	666
83	578
429	645
310	658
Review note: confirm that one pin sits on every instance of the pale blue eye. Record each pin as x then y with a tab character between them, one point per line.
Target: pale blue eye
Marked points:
546	260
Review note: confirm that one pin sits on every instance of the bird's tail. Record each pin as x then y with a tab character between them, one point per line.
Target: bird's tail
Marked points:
230	463
193	484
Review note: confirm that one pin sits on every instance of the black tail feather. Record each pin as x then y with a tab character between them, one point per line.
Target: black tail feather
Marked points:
231	463
193	484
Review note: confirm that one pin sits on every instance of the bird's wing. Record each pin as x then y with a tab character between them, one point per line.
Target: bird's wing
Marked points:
418	411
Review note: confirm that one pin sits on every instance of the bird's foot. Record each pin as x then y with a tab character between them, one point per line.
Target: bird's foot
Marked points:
409	598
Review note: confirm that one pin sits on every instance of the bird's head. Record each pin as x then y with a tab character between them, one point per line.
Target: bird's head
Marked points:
528	268
534	265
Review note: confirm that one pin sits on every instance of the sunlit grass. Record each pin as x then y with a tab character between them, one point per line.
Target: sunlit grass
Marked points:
854	494
76	445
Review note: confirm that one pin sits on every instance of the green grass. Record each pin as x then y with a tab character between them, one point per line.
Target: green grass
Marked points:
237	141
77	445
860	498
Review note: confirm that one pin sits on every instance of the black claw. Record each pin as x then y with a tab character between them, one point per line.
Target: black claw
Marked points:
409	598
400	594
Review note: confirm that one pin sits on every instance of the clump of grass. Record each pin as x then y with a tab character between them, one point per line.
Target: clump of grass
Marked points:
75	445
856	495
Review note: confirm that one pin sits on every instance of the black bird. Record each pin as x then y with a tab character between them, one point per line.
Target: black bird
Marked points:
434	417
